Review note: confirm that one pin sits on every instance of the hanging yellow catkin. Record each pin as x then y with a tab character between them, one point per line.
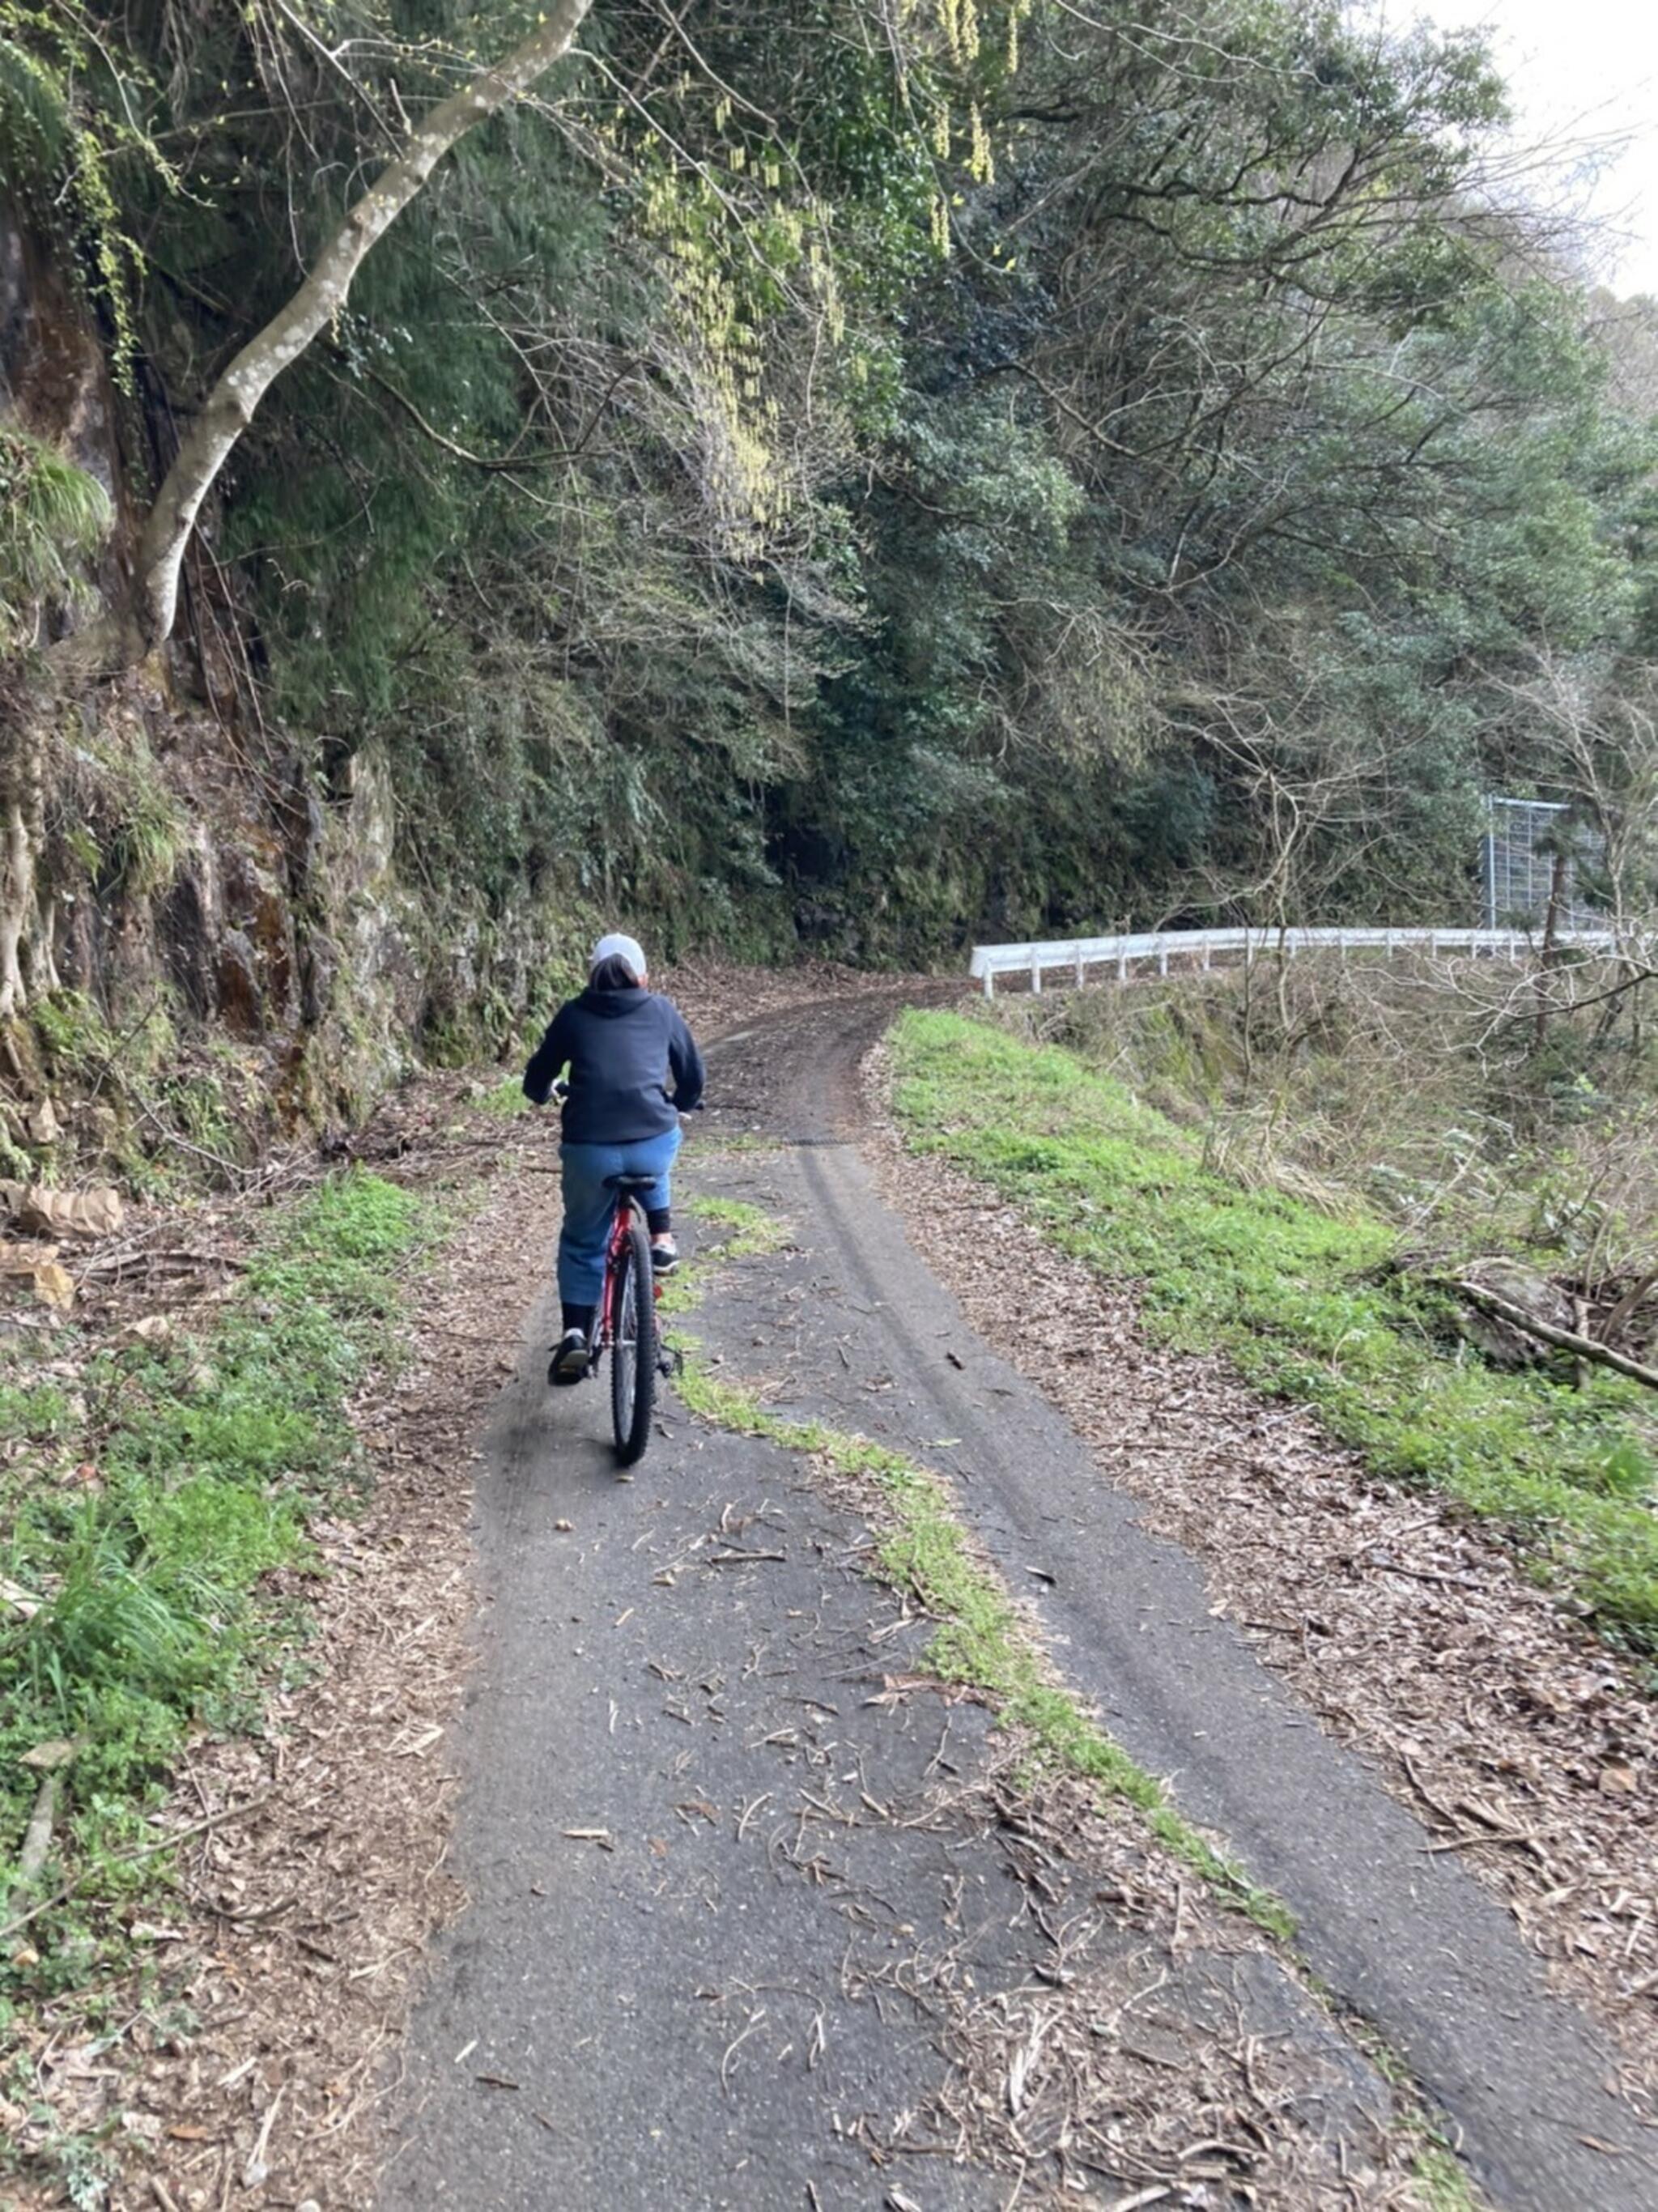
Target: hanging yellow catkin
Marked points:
983	161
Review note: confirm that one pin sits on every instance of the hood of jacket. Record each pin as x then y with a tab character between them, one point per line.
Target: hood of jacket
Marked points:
612	1006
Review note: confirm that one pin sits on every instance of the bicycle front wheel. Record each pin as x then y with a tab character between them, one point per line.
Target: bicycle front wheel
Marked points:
633	1353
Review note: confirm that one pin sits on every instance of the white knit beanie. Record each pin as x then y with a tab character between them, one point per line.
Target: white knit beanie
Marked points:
617	947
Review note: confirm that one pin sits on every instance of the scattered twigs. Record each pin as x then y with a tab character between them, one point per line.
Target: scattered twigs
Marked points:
1427	1796
129	1858
1564	1339
257	2170
757	2020
233	1170
1618	1318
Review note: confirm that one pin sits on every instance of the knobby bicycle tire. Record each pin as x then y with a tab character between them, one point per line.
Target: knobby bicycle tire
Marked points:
632	1354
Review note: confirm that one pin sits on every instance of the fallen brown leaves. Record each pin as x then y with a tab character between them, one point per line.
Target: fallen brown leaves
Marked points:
310	1872
1150	2049
1520	1740
719	995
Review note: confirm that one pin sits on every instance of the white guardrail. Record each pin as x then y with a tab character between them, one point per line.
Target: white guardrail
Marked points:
1198	948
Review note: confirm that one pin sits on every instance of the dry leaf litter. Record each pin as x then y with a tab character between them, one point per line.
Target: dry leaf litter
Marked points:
1519	1739
311	1861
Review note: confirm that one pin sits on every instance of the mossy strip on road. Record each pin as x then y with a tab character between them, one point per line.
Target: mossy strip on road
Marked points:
980	1641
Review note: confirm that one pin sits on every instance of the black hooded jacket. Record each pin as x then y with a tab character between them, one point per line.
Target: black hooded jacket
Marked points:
621	1048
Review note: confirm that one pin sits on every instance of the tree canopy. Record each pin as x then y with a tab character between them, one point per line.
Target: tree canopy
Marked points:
868	471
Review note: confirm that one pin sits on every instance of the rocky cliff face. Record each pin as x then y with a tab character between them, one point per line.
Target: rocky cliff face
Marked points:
53	380
193	867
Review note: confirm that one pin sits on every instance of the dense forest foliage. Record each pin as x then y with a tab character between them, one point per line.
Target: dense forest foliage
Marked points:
866	472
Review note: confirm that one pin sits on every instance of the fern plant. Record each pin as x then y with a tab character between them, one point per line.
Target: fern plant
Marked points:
52	516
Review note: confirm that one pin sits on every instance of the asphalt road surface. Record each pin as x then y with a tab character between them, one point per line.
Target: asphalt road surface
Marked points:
693	1972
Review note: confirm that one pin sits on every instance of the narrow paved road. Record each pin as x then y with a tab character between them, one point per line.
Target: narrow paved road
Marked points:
692	1972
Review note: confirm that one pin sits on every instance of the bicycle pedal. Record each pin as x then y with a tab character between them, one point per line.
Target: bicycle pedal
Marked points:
670	1361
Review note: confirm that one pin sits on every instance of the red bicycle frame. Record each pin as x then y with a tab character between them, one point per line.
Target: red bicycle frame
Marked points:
621	1222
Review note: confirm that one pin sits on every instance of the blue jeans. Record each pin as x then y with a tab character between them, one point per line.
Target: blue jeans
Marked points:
590	1174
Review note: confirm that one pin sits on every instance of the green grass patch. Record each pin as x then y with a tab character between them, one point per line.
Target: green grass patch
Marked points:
979	1640
144	1515
1301	1303
37	1412
1442	2179
750	1232
507	1100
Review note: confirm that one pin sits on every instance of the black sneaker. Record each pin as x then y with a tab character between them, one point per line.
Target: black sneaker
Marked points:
664	1255
571	1360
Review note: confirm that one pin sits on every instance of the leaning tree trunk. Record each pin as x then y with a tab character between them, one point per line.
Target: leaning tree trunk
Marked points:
17	905
229	406
21	814
104	648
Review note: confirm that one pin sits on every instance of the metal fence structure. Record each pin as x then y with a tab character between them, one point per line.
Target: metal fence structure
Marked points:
1520	854
1197	949
1518	862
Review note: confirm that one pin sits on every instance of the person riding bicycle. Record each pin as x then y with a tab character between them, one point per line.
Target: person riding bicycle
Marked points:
622	1043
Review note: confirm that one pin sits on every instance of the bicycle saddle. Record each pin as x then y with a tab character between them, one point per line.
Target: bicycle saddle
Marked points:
626	1183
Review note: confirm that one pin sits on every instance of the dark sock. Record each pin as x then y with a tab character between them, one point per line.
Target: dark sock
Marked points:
660	1220
580	1317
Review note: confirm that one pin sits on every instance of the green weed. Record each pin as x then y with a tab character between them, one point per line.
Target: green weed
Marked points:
200	1106
506	1099
39	1413
1301	1303
146	841
750	1232
1442	2179
150	1576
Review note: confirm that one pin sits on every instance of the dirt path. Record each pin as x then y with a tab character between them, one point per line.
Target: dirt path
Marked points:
758	1917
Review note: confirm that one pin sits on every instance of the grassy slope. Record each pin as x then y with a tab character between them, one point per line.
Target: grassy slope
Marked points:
1298	1302
148	1508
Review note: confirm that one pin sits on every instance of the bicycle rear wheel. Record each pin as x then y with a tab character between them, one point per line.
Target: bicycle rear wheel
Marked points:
633	1353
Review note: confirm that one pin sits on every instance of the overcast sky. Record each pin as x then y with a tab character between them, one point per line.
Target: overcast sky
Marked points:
1581	68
